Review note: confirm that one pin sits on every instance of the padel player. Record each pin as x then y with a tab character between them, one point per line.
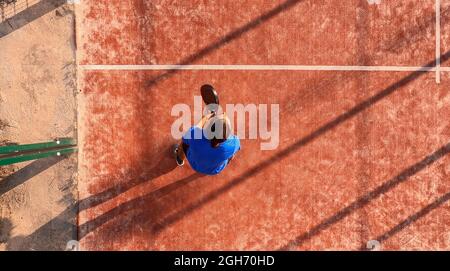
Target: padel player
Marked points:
209	146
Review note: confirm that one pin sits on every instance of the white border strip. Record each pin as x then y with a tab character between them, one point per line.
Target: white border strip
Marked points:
254	68
438	41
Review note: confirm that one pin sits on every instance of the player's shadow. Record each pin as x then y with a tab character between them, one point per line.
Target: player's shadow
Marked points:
35	11
166	163
143	212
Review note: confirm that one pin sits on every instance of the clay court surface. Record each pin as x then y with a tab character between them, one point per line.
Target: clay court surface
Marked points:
363	153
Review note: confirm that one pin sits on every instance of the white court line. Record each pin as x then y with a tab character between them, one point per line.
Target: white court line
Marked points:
438	41
255	68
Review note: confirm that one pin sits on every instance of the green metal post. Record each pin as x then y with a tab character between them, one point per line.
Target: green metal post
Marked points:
20	153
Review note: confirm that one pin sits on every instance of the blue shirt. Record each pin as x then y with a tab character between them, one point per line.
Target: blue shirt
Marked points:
203	157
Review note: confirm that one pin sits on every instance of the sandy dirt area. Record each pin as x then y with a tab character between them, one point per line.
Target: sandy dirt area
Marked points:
37	104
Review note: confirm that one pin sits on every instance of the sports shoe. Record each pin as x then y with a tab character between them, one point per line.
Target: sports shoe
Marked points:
179	161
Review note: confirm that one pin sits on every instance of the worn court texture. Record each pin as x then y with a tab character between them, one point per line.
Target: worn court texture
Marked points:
362	155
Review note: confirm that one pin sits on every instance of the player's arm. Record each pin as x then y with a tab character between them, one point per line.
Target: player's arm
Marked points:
202	122
234	154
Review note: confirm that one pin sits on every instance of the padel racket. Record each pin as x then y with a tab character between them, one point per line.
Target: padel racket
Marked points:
210	97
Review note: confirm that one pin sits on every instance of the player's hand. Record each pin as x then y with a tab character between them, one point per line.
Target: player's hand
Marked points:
205	119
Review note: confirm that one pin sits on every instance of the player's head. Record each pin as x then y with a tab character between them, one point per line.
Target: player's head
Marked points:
217	129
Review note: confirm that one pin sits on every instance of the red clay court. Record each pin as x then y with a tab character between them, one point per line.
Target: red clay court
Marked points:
364	100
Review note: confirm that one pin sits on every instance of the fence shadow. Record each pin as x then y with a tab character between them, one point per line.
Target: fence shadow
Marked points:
411	219
28	15
235	34
365	199
24	174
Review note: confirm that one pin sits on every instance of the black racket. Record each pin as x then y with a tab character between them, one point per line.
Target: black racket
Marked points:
210	98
